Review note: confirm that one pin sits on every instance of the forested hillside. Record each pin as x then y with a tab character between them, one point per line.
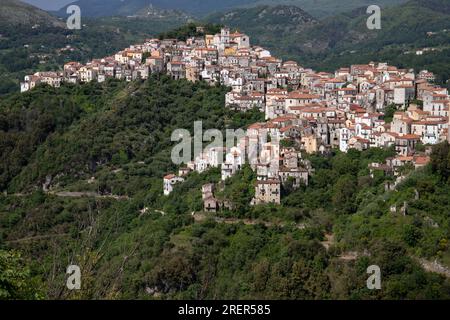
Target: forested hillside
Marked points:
101	150
319	8
82	167
15	12
266	23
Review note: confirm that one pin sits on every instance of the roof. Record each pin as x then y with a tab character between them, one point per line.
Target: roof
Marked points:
362	140
257	126
296	95
404	158
422	160
409	137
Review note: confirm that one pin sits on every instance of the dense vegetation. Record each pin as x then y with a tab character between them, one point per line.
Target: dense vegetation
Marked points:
120	123
81	172
148	246
16	280
96	8
190	30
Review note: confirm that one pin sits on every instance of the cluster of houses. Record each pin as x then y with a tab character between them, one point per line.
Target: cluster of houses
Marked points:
274	166
198	58
318	111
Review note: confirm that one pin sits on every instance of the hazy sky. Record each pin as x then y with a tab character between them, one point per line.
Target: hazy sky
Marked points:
49	4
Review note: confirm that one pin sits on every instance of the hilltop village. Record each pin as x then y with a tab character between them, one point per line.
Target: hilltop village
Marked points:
314	111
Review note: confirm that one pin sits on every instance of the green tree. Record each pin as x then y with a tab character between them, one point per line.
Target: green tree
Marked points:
440	160
344	194
411	235
16	280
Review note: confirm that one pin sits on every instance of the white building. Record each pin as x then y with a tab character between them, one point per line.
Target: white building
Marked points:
169	182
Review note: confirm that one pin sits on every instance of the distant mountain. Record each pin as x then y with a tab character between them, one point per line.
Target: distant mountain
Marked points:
102	8
267	17
14	12
105	8
291	30
319	8
406	24
48	4
157	13
284	28
266	23
324	8
436	5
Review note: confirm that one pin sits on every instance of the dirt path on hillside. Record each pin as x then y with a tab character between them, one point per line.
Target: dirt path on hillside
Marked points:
77	194
435	267
67	194
329	241
248	222
42	237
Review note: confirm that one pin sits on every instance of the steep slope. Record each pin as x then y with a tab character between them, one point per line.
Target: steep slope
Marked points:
14	12
48	4
204	7
404	24
436	5
266	24
102	8
149	246
270	19
324	8
138	117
